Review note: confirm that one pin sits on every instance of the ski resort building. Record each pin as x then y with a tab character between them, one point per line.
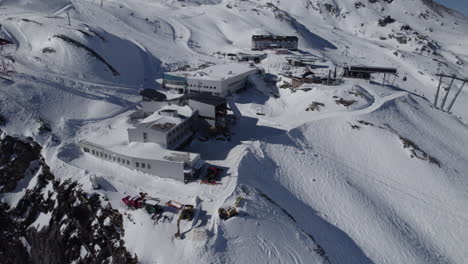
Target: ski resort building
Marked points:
211	109
364	72
219	80
170	127
251	57
169	121
263	42
150	158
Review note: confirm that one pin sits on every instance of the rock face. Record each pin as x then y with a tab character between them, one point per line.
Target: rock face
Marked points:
53	222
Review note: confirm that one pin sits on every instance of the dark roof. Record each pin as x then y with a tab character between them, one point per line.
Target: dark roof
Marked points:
153	94
206	98
271	37
371	69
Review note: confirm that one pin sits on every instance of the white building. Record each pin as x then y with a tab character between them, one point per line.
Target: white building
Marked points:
170	122
263	42
150	158
219	80
170	127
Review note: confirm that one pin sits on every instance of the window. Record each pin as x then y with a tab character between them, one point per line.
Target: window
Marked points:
114	158
128	162
137	164
149	167
86	149
100	154
143	165
93	152
118	159
145	136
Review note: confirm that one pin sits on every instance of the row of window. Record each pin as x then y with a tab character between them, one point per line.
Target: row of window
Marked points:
205	92
199	86
143	165
175	83
117	159
275	41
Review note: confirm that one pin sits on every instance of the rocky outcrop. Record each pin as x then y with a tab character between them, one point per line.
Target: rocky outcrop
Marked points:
54	222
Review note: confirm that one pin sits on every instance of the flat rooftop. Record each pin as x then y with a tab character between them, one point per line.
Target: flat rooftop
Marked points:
216	72
167	118
147	150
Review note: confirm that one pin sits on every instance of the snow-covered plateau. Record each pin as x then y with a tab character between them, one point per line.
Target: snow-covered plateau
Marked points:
364	171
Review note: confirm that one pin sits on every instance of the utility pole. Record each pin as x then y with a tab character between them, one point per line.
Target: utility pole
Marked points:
68	15
455	98
446	95
438	91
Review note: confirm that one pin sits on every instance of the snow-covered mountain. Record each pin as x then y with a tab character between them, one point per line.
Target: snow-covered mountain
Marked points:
382	180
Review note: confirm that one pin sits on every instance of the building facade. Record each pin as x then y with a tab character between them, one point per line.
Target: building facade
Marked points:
180	166
218	80
263	42
211	109
171	127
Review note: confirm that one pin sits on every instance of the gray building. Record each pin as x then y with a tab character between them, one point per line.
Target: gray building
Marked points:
263	42
219	80
211	109
150	158
171	127
251	57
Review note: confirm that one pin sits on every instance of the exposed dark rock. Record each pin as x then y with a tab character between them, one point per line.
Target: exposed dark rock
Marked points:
342	101
416	152
386	20
3	120
80	227
358	5
48	50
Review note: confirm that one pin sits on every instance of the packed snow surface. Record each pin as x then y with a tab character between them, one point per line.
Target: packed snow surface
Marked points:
360	172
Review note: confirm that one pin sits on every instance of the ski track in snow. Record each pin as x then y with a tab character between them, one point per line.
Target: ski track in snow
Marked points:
281	240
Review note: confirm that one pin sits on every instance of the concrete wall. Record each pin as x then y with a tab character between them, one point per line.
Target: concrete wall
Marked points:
135	134
161	168
150	107
181	133
171	139
231	85
205	111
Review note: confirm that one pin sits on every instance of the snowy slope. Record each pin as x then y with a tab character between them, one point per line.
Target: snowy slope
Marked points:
379	181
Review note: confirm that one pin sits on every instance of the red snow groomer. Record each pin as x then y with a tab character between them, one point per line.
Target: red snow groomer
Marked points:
135	202
212	177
